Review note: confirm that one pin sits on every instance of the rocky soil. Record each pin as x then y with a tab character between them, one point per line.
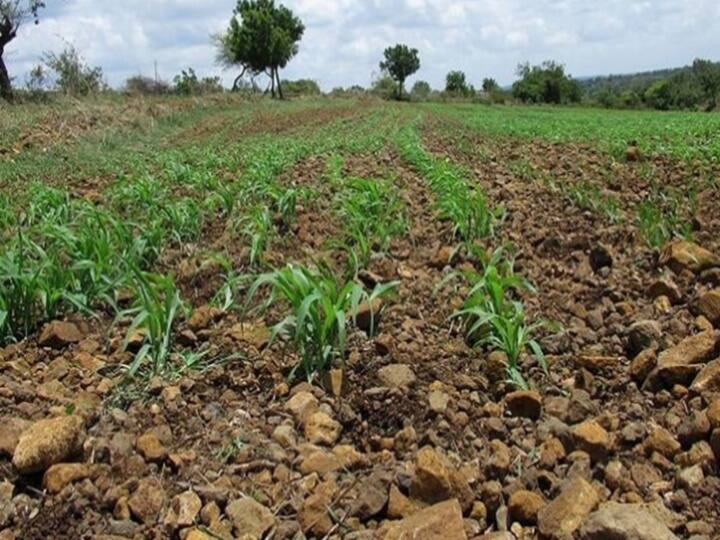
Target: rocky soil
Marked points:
417	436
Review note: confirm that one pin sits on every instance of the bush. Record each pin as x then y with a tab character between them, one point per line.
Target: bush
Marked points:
74	77
146	86
384	87
420	91
187	83
301	87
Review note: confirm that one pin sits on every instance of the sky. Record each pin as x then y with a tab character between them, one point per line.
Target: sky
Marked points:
344	39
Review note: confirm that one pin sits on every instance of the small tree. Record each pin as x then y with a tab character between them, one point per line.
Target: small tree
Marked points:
262	38
73	76
546	83
13	14
420	90
490	85
400	62
456	83
707	74
187	83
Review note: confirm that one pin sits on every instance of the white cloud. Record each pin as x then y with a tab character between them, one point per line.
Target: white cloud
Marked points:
344	39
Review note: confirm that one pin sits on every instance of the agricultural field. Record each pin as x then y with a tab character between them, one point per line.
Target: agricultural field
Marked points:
231	318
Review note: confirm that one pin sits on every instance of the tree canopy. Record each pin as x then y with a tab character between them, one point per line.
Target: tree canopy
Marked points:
546	83
400	62
13	14
456	83
262	37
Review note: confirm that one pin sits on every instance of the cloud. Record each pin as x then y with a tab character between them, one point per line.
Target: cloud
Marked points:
344	39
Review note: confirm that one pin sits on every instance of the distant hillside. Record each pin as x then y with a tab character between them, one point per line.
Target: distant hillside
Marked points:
592	86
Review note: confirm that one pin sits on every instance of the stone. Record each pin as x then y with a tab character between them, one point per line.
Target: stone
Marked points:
349	457
399	506
436	480
642	365
438	401
62	474
624	522
500	459
10	430
59	334
708	305
150	447
524	403
443	520
713	414
285	436
662	441
396	375
681	364
690	478
186	507
320	462
372	496
197	534
203	317
681	254
708	380
665	287
47	442
642	335
302	405
367	317
524	506
147	501
566	513
257	335
313	514
250	517
322	429
592	438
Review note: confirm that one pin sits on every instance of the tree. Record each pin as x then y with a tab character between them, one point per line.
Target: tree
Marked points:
707	74
455	83
420	90
13	14
400	62
490	85
262	38
546	83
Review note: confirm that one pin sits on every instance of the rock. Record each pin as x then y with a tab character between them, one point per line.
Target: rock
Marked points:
708	305
713	414
186	507
313	514
10	430
47	442
438	401
443	520
372	496
524	506
396	375
566	513
708	380
600	257
690	478
285	436
680	255
61	474
642	365
320	462
642	335
662	441
147	501
681	364
624	522
322	429
59	334
665	287
367	318
349	457
150	447
250	517
526	404
592	438
203	317
302	405
693	428
6	506
436	480
500	458
257	335
399	506
197	534
335	380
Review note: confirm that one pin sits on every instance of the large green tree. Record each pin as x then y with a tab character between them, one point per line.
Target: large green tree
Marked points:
400	62
262	38
13	14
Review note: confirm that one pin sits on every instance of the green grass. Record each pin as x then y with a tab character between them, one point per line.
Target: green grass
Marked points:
683	135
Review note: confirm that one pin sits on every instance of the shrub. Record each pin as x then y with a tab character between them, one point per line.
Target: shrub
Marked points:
73	76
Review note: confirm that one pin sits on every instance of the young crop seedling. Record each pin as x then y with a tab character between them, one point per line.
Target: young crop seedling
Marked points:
319	307
660	218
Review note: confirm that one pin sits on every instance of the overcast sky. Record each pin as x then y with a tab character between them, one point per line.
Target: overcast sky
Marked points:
344	39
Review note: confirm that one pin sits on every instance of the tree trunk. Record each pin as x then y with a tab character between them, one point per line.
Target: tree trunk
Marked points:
5	86
272	83
400	89
279	85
